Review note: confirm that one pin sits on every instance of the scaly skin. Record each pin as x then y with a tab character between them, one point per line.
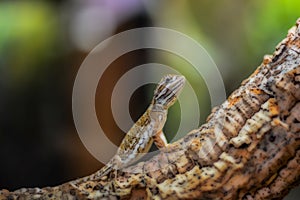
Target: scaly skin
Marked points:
147	129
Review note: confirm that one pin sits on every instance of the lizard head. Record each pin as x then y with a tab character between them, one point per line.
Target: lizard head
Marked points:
168	90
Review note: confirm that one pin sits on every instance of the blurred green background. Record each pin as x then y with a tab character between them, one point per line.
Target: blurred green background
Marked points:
43	43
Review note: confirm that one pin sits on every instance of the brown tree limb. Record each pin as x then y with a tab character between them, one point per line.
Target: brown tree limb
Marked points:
248	149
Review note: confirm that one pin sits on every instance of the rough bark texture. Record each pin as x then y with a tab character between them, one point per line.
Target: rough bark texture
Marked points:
248	149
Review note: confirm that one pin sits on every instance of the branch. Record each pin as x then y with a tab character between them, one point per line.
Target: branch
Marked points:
248	149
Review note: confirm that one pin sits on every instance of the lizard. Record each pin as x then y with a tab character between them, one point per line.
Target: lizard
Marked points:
147	129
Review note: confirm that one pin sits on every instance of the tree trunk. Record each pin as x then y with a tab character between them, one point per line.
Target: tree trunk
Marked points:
248	149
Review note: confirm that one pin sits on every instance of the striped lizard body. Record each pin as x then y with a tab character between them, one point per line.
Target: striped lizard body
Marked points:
147	129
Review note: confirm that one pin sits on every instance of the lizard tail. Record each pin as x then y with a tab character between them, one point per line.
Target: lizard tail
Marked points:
100	173
104	170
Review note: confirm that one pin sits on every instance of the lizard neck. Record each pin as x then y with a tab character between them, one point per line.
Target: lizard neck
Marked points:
158	108
158	116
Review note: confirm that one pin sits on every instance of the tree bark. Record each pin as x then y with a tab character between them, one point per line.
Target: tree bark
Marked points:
248	149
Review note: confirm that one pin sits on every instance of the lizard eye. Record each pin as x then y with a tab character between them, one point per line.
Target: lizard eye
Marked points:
168	79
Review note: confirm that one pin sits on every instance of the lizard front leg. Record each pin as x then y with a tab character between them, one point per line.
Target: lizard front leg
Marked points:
160	140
